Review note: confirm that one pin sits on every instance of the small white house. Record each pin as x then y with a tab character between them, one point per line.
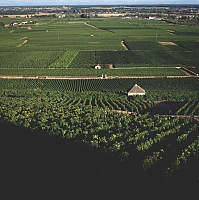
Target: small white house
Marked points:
136	90
25	22
98	67
152	18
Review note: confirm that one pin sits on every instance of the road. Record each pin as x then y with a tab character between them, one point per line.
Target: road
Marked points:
85	77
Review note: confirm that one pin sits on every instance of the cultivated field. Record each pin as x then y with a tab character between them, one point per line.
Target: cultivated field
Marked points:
62	43
49	87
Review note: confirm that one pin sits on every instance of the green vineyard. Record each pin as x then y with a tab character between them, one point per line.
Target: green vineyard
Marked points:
75	44
66	122
175	89
168	143
88	59
136	71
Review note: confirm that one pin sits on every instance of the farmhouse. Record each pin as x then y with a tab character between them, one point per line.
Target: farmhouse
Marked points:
24	22
98	67
136	90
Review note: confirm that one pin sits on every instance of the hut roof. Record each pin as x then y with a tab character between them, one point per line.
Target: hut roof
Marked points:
136	90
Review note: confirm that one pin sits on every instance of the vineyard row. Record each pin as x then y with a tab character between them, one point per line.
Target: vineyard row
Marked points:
151	138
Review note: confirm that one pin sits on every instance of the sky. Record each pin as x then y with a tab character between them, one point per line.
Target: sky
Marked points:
92	2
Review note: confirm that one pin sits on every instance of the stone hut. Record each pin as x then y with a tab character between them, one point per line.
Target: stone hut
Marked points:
136	90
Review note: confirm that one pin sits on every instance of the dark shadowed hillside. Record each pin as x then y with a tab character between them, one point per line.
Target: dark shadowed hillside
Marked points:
37	165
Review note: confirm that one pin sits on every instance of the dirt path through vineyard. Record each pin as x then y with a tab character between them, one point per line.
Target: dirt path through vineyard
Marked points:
84	77
196	117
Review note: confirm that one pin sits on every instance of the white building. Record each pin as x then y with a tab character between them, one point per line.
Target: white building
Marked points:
136	90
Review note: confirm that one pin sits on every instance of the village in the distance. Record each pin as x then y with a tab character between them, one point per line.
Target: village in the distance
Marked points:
188	14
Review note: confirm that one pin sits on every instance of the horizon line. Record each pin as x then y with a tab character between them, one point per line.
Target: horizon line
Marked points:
140	4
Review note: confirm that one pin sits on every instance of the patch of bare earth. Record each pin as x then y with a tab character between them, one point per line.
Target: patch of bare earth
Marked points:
187	73
124	45
89	25
23	38
22	43
168	43
171	31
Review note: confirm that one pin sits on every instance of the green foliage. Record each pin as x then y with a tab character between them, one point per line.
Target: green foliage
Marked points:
2	24
129	135
55	43
90	110
87	71
156	88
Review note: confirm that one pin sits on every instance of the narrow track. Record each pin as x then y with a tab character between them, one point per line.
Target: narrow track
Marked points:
196	117
86	77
